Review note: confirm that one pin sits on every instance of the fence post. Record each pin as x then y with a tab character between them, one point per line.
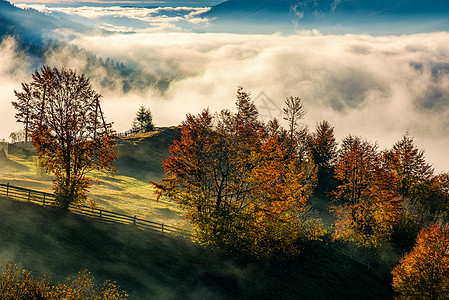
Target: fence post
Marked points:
100	214
134	220
7	189
29	192
162	226
43	201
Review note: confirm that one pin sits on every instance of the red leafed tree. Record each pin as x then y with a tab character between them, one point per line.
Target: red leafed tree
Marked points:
238	181
368	208
408	165
424	272
63	114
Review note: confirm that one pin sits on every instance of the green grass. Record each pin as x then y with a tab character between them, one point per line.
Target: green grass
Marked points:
140	156
49	241
127	191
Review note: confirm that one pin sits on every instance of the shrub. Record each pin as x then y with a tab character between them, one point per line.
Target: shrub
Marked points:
20	285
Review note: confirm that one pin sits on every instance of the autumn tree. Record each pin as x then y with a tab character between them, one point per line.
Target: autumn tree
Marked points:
240	185
424	272
143	122
67	129
438	195
424	195
367	207
408	165
323	148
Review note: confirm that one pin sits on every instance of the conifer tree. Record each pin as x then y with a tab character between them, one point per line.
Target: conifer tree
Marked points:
143	122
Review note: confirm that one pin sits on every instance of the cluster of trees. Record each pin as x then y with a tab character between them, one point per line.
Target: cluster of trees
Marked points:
244	185
386	196
389	197
18	136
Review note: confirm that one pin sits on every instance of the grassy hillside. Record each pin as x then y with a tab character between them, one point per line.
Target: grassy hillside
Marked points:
127	191
141	155
152	266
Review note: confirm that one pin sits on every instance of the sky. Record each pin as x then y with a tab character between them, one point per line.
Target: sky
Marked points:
377	87
141	3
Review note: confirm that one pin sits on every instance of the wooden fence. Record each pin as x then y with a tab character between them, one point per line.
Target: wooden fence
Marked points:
125	134
132	132
47	199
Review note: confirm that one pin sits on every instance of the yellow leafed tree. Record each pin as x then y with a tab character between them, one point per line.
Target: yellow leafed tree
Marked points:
424	272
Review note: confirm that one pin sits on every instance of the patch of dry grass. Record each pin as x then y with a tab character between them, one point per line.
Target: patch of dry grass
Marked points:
117	193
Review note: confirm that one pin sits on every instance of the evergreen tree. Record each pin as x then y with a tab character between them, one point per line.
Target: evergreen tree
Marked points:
143	122
323	149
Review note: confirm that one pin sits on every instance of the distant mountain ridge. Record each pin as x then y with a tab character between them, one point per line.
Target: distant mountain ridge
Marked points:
377	17
31	26
33	33
326	8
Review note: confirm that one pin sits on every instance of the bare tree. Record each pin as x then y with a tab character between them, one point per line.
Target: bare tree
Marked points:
293	113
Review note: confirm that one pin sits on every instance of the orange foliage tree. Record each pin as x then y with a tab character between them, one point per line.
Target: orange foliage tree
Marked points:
68	129
368	208
409	167
424	272
242	187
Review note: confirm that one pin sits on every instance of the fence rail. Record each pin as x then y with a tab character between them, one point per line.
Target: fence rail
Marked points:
47	199
125	134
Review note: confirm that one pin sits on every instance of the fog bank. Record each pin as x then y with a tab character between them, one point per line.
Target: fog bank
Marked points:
377	87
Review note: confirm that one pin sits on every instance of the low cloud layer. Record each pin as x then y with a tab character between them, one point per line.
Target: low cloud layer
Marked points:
140	3
125	19
376	87
14	68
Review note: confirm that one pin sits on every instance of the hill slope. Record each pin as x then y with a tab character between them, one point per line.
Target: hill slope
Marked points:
41	37
152	266
140	156
149	265
31	26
